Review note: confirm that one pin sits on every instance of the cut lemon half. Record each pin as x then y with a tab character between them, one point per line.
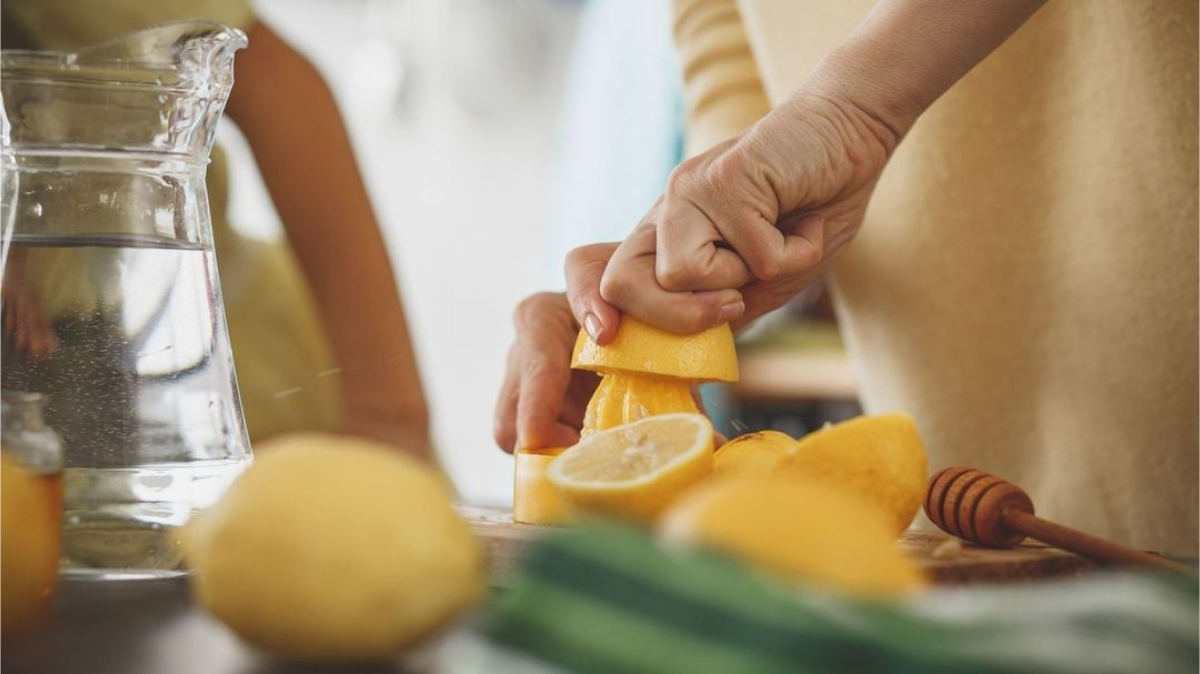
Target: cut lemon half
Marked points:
879	457
647	371
705	356
635	471
797	528
535	500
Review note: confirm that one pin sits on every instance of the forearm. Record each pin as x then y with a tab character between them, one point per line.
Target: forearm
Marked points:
907	53
293	126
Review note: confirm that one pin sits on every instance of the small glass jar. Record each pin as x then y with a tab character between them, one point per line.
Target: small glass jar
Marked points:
31	461
26	438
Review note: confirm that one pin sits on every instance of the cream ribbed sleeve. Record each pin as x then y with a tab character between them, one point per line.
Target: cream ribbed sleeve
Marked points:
722	89
1025	281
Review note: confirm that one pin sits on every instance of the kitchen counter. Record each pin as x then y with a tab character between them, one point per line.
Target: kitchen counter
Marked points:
148	627
152	626
964	564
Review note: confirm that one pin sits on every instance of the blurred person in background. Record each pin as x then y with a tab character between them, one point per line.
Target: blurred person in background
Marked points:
316	323
1025	283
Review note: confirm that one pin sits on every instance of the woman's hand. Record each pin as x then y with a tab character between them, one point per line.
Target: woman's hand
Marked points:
746	225
542	400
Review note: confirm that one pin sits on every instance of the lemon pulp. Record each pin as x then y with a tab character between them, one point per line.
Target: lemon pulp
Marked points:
625	397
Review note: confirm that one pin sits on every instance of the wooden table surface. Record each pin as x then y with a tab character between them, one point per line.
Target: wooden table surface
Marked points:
505	541
152	626
145	627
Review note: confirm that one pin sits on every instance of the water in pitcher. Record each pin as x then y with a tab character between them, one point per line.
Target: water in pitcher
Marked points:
111	303
124	334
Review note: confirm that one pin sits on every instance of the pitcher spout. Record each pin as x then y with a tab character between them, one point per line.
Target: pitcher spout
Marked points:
196	54
158	90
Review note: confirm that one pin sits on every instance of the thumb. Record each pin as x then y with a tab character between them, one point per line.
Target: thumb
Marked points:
805	242
584	268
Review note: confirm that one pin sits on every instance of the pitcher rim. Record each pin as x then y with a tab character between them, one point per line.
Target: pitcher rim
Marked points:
35	65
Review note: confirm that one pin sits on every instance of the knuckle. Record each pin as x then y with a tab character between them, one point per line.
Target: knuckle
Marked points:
809	257
768	267
725	170
580	255
612	288
534	366
579	306
676	274
693	318
683	176
530	308
696	322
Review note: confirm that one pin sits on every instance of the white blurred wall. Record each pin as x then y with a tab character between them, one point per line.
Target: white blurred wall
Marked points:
453	109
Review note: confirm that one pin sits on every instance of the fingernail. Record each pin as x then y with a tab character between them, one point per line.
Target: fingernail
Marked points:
592	324
731	311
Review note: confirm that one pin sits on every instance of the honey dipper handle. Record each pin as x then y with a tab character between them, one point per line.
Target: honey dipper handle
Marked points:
1105	552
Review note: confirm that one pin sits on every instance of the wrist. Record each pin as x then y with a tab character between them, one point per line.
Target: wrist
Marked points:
904	55
855	77
814	146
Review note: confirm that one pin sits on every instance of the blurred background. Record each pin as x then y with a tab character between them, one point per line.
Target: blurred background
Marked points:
494	136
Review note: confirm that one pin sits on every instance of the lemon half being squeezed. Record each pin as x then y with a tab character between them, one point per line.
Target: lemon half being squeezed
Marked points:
648	371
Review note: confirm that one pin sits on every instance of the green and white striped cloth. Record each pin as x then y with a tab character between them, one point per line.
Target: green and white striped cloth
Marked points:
609	600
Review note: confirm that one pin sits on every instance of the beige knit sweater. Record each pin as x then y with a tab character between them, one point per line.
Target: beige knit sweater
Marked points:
1025	283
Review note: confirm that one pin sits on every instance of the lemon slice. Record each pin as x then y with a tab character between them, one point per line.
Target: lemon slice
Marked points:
634	471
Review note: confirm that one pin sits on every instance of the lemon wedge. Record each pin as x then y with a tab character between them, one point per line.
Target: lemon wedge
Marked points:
879	457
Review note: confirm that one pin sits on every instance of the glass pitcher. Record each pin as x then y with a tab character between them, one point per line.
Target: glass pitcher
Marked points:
110	300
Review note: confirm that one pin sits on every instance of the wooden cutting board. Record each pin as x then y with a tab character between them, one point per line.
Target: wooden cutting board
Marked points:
505	540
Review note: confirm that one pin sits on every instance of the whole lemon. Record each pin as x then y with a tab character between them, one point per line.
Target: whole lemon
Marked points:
799	529
879	457
331	548
29	525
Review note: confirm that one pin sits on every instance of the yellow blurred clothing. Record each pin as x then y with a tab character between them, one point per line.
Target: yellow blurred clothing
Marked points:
285	367
1025	282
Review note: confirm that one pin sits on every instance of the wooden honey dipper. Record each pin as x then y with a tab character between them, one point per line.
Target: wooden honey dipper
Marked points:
982	508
